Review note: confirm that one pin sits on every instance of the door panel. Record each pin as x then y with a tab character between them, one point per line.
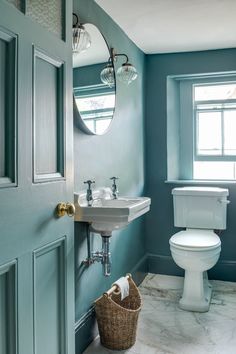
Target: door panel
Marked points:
36	244
49	295
8	59
3	48
8	343
48	118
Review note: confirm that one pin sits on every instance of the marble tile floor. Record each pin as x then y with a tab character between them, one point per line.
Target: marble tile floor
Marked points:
165	329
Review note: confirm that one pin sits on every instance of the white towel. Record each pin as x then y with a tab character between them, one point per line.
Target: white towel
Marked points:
123	285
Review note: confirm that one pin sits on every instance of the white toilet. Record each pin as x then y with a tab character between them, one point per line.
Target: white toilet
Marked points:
200	210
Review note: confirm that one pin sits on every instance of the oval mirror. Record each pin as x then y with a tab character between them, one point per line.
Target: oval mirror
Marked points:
94	101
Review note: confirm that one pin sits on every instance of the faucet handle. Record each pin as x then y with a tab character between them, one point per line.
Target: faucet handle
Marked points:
114	179
114	188
89	182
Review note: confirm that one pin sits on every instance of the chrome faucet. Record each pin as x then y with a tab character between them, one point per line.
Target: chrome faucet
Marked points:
114	188
89	195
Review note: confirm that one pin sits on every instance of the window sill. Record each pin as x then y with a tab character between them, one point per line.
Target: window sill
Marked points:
196	181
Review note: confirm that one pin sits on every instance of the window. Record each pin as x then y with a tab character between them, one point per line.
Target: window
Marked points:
206	125
96	106
215	131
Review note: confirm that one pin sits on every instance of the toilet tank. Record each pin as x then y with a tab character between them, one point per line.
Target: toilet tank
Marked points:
200	207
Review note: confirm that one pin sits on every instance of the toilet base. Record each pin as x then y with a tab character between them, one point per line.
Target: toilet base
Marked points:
196	293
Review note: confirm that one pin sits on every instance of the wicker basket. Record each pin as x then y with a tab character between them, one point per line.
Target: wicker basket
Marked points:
117	320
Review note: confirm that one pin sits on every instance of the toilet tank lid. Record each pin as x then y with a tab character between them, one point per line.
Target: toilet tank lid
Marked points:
201	191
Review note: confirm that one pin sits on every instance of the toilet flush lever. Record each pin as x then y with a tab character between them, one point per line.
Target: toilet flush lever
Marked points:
224	201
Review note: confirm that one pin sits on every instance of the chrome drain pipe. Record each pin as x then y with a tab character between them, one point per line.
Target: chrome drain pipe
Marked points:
106	260
103	256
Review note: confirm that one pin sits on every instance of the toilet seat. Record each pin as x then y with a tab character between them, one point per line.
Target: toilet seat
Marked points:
195	240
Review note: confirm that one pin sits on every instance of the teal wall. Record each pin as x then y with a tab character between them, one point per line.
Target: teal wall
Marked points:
142	169
120	153
159	222
87	75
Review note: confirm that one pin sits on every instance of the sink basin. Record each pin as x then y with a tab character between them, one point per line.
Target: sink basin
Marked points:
107	214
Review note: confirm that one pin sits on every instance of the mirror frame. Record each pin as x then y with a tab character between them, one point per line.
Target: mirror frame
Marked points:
77	116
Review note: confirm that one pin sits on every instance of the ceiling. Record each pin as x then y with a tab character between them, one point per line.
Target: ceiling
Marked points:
167	26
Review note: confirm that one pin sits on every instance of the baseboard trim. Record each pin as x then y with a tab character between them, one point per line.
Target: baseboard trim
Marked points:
158	264
83	319
223	270
85	330
140	270
86	327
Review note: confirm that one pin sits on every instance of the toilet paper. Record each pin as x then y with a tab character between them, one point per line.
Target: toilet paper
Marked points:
123	285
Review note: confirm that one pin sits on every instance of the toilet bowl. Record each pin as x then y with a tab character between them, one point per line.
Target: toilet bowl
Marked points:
199	210
195	251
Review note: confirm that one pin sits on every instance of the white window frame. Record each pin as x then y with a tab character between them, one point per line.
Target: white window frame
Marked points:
187	123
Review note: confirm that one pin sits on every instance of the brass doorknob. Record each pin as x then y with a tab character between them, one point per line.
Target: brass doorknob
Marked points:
65	208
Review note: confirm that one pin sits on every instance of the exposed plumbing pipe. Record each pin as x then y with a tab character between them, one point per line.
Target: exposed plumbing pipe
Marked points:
103	256
106	261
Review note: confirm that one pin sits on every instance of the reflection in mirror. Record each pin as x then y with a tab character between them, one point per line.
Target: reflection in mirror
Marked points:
94	101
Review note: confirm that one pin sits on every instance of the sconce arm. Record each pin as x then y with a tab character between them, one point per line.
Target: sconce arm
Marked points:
75	24
114	55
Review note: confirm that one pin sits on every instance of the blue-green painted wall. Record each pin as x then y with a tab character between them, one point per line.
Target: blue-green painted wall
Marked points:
159	222
87	75
120	153
123	152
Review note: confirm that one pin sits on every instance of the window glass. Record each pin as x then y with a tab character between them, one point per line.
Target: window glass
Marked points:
215	92
102	125
96	110
230	132
209	133
215	131
95	102
90	124
218	170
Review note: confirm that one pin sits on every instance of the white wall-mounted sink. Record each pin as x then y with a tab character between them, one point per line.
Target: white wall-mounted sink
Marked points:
107	214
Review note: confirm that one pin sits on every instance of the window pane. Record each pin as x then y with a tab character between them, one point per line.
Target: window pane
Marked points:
90	125
230	132
102	125
209	140
95	102
220	170
215	92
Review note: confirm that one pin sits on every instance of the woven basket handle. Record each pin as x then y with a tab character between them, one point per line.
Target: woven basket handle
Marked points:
115	289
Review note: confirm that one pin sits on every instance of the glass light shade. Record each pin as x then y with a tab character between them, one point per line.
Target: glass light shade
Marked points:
81	39
107	75
127	73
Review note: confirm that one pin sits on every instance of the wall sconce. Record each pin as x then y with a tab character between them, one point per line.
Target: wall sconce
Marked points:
126	73
107	74
81	39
